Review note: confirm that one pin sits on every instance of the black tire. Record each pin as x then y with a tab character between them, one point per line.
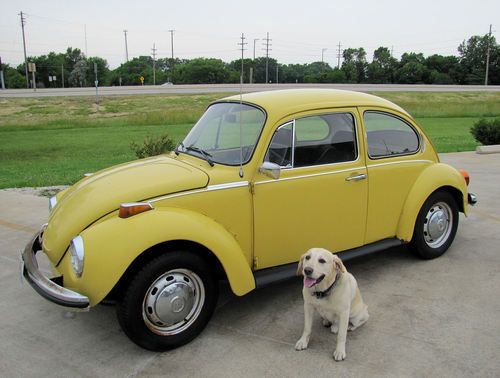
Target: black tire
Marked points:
436	225
176	288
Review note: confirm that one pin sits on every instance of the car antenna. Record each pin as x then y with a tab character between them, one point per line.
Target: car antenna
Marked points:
242	44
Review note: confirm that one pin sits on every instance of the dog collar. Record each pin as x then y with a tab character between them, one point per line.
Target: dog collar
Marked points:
322	294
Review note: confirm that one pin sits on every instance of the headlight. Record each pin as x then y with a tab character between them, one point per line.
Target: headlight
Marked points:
77	255
52	203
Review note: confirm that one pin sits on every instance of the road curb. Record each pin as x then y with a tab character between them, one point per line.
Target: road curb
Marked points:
493	149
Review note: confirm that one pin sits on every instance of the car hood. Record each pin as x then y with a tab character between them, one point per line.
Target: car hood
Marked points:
93	197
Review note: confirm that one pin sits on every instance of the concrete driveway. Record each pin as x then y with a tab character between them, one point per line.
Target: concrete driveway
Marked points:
428	318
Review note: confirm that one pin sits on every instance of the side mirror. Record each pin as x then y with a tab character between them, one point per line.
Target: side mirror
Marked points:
272	170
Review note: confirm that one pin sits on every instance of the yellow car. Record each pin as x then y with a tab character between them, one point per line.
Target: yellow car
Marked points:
259	179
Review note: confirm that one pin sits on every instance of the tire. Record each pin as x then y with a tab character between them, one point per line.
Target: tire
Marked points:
436	226
168	302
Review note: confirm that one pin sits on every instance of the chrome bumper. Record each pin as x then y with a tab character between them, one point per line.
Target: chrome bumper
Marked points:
48	288
471	199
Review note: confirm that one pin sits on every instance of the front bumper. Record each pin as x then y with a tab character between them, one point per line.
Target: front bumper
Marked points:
471	199
48	288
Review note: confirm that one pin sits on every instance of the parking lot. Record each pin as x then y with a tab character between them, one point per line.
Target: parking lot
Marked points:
427	318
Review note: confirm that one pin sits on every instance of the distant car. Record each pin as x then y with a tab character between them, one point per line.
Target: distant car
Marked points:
168	83
258	180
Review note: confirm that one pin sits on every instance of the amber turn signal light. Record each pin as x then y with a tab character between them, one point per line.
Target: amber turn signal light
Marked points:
465	174
128	210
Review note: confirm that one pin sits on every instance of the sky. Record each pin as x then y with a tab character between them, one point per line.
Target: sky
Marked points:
299	30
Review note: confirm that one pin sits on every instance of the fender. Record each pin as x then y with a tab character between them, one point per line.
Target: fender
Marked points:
112	245
435	176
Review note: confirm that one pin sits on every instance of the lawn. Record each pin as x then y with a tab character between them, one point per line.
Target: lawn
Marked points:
51	141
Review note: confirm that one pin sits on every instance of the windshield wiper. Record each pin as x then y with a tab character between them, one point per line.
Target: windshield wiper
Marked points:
203	153
177	148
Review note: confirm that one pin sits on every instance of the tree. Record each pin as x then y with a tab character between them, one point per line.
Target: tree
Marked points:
202	71
102	70
473	59
412	69
13	78
383	66
78	75
354	65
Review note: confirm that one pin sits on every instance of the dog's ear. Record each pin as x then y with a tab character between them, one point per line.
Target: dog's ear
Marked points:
300	266
340	265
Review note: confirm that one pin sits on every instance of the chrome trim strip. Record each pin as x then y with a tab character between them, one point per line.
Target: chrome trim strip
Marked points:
131	204
398	162
312	175
46	287
209	188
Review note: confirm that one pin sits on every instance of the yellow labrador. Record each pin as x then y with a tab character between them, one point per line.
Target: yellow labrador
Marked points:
334	293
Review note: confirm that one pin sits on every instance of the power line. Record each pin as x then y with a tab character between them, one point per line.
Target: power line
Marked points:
267	44
23	20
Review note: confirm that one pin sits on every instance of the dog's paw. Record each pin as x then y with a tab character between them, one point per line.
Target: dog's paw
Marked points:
301	344
339	354
326	323
334	328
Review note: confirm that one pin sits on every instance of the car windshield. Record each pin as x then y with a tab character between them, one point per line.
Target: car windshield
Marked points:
225	132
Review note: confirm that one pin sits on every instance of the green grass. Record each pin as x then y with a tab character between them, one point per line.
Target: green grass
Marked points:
51	141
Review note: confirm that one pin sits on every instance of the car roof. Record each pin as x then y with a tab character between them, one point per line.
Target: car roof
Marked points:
297	100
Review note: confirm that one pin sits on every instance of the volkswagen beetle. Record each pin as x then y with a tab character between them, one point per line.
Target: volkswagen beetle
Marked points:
258	180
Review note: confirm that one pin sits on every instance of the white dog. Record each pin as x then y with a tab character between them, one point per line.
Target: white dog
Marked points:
334	293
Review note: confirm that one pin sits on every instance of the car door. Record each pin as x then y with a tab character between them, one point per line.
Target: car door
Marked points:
395	159
320	198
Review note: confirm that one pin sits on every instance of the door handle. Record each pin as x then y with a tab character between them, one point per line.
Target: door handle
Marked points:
357	177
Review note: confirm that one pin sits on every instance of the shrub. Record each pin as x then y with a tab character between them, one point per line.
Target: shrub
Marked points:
487	132
153	146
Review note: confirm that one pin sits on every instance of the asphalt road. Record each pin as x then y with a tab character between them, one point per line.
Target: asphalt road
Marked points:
231	88
427	318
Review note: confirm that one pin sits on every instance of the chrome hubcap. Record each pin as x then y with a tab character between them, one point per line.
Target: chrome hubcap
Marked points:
437	225
173	302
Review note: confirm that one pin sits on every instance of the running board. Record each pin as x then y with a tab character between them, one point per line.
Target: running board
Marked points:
266	277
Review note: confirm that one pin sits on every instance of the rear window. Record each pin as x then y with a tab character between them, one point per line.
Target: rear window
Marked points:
388	135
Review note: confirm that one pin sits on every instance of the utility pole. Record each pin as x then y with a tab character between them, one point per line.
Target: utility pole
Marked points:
242	44
62	74
1	74
267	44
339	51
322	59
277	77
171	31
154	63
126	45
487	59
254	40
23	20
392	51
85	32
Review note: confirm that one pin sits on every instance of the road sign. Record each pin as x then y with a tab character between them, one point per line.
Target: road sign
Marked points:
31	67
142	80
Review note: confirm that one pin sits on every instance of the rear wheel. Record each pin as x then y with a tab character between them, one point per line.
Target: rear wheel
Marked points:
436	225
168	302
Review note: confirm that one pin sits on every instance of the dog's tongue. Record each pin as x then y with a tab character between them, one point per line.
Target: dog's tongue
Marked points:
309	282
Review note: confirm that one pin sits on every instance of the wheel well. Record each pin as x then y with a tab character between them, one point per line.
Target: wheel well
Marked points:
165	247
456	194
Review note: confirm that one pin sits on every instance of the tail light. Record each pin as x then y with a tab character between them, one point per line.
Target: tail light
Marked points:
465	174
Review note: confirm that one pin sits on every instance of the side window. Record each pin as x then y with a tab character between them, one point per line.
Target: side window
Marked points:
280	149
325	139
315	140
388	135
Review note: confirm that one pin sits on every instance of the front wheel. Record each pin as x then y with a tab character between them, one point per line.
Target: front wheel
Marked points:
168	302
436	225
